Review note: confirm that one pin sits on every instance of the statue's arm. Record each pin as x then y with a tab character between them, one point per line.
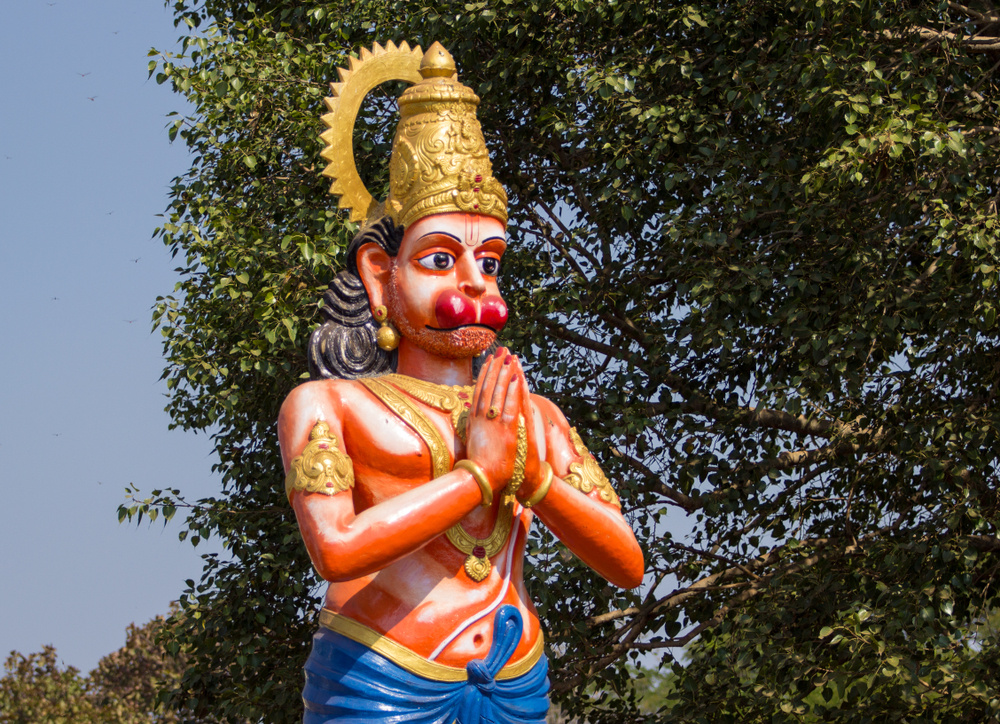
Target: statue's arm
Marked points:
344	545
580	508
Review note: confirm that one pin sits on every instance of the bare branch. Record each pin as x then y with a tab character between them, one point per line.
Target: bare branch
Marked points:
568	335
757	417
684	501
983	44
753	589
973	13
801	458
984	543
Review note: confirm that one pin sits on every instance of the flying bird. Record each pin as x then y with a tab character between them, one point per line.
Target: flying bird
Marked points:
90	98
84	75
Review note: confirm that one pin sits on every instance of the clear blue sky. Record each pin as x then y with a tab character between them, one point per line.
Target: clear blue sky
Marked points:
85	166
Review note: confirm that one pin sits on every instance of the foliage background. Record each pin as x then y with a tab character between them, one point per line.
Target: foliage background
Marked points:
122	689
753	257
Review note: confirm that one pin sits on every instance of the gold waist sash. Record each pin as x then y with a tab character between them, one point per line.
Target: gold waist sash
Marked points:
413	662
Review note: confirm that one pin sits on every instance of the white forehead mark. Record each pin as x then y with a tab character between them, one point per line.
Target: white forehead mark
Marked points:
471	229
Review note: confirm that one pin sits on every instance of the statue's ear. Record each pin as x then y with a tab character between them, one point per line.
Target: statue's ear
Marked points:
374	267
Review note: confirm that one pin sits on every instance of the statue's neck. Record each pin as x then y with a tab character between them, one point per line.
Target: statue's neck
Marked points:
416	362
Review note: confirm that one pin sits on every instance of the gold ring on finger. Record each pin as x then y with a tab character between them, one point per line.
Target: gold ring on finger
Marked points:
493	412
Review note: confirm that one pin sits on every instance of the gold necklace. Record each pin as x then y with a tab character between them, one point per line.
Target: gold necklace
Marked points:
455	400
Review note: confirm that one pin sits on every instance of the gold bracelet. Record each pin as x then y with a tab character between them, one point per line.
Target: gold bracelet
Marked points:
480	477
543	489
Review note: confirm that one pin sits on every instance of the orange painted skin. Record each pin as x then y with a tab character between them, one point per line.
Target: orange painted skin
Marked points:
381	544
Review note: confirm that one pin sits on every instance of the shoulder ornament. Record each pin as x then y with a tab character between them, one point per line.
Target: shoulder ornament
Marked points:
321	468
585	475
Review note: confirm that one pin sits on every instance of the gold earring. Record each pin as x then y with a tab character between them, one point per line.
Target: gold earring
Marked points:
388	335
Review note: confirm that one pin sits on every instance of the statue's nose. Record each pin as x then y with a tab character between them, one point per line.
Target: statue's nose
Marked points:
471	281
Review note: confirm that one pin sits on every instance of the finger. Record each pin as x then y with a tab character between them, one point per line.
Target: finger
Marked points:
512	404
536	447
483	372
502	388
524	377
527	409
525	400
489	384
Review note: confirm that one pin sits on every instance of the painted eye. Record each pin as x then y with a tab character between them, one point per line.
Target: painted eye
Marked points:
489	266
438	261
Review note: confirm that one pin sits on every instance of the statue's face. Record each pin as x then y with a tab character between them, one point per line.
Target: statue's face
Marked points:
442	293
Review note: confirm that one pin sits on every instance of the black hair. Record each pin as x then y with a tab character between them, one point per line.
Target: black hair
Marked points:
344	346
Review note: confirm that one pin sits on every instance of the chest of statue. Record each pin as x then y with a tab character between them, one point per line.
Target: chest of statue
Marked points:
402	433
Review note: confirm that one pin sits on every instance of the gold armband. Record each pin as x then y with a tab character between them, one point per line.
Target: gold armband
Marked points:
543	489
480	477
586	474
321	468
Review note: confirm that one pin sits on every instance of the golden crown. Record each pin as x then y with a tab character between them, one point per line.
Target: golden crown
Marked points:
439	159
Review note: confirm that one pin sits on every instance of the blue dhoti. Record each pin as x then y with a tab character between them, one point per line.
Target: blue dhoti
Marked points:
349	683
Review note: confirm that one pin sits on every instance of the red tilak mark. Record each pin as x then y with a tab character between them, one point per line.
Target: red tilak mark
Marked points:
479	179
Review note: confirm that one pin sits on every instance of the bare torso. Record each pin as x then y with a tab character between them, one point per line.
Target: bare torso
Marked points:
421	600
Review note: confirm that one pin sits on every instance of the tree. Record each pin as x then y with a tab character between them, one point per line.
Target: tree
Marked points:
753	255
123	689
34	688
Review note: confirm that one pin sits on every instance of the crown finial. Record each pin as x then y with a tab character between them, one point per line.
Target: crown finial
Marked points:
437	63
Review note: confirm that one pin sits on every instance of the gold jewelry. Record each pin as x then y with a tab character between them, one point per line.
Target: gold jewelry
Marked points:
493	413
480	550
542	489
480	477
388	336
321	468
439	159
453	400
520	456
586	474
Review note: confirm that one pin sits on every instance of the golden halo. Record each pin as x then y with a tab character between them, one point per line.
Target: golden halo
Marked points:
376	66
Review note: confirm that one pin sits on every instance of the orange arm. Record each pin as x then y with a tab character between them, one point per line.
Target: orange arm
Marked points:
343	545
590	527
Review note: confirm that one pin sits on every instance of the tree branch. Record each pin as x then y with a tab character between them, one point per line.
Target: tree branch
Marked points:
756	417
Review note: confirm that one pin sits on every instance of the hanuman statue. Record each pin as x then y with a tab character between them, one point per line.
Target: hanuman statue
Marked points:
415	481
